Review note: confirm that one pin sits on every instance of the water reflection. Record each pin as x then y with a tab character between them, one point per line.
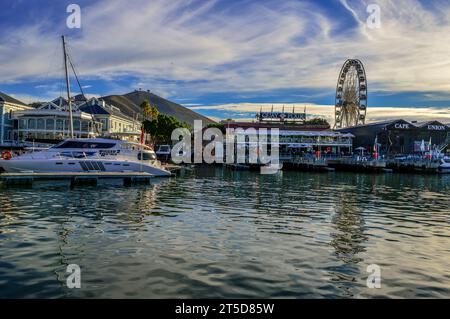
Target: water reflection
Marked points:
217	233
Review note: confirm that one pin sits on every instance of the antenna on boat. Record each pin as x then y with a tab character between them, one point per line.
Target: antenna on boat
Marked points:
68	87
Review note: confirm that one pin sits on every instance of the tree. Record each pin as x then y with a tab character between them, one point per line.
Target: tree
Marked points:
317	121
146	110
220	126
149	112
160	128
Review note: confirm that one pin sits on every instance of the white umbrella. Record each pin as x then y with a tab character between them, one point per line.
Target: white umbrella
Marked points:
422	146
362	149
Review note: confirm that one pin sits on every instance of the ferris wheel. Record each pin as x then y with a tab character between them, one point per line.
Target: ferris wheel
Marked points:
351	95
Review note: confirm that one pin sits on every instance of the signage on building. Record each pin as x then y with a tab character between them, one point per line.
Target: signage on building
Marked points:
432	127
402	126
281	116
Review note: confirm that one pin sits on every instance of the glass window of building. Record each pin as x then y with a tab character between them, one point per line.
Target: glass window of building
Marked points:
76	125
41	124
32	124
103	121
84	126
23	124
50	124
59	125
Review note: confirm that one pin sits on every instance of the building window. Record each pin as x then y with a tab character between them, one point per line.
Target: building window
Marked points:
59	125
76	125
32	124
50	124
22	124
41	124
104	126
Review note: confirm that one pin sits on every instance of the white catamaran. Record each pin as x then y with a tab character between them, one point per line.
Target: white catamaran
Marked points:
86	155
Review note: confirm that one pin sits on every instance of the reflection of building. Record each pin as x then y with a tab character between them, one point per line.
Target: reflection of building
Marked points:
400	136
8	105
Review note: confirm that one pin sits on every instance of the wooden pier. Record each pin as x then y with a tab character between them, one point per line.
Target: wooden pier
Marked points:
426	166
307	164
355	165
75	178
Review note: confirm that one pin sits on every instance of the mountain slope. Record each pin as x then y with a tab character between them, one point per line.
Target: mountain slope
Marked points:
130	105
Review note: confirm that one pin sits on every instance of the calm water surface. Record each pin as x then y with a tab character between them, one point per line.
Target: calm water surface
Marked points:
214	233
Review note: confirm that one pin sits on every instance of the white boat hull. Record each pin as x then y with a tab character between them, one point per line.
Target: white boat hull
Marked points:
78	165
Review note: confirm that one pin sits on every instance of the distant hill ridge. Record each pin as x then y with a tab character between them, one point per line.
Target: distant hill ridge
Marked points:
130	103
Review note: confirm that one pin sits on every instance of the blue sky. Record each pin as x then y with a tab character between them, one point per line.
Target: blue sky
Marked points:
221	52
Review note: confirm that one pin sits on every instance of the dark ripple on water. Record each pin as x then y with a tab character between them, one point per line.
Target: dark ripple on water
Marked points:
214	233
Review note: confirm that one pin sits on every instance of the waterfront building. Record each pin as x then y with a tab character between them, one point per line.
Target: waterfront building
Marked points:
8	105
51	125
49	122
297	136
285	121
401	137
293	144
115	123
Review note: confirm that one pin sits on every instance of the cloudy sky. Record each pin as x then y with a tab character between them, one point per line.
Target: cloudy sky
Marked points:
225	58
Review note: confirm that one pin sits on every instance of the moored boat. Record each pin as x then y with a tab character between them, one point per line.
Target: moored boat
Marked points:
88	155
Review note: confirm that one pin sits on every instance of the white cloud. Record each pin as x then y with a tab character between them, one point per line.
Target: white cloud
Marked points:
327	111
178	46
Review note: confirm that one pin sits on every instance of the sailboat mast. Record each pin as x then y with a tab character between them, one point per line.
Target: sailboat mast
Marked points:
68	87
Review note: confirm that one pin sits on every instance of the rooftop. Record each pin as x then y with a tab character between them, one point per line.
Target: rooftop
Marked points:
9	99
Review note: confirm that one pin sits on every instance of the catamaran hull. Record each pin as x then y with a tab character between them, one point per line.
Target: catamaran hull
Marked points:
60	166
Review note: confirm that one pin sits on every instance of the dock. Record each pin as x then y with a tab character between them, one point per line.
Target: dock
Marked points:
307	164
75	178
355	165
426	166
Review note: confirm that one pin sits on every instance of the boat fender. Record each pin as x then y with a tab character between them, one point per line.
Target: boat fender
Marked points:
6	155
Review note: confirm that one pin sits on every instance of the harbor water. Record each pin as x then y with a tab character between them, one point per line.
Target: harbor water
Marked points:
213	233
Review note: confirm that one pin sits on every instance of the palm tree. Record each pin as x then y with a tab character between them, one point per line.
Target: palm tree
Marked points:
149	113
146	110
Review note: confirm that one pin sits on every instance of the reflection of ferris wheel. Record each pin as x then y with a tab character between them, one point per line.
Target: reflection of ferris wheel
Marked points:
351	95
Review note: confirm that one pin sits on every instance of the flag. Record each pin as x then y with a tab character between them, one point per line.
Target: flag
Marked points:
375	148
142	135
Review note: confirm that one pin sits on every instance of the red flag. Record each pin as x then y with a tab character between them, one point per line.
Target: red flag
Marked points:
142	135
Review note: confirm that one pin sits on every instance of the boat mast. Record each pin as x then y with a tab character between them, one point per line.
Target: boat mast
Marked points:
68	87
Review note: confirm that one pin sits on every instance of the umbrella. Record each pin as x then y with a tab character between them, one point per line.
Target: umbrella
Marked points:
362	149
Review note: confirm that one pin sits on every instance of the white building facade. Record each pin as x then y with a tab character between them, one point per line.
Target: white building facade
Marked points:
49	122
8	105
